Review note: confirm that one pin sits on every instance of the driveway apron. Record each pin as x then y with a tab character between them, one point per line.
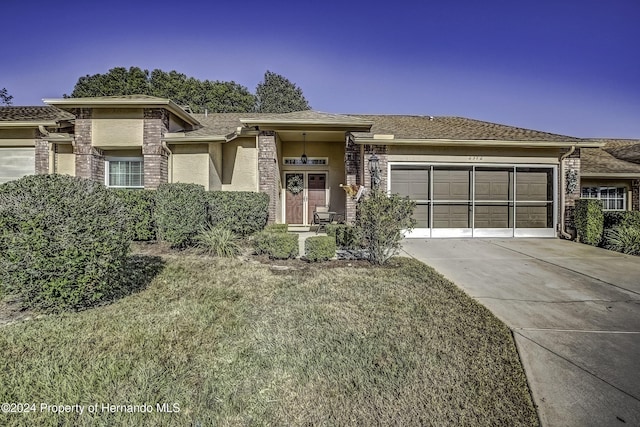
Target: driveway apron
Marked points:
575	315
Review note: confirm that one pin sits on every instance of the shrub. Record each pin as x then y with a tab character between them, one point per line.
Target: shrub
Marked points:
616	218
276	245
277	228
347	236
180	213
243	212
382	219
139	206
589	220
623	238
319	248
218	241
63	242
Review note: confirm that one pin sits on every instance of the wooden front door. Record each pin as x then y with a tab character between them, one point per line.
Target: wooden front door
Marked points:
304	191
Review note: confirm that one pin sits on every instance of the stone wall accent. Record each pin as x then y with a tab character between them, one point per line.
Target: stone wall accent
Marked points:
89	160
156	170
268	171
635	195
570	163
352	161
42	156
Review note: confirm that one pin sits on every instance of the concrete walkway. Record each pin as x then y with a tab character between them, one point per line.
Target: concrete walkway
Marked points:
575	314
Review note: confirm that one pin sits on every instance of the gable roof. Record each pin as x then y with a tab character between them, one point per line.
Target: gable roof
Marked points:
415	128
32	116
624	149
599	162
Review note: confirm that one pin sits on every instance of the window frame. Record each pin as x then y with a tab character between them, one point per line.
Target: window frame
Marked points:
107	174
601	193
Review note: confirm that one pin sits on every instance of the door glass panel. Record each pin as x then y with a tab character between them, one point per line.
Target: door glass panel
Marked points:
410	181
534	215
498	215
534	184
452	215
451	183
494	184
421	215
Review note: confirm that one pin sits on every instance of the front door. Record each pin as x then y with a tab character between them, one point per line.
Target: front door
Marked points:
304	191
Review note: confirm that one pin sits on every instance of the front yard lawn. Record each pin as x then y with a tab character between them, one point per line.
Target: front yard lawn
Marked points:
232	342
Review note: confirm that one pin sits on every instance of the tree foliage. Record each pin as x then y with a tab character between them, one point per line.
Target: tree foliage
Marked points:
5	98
198	95
276	94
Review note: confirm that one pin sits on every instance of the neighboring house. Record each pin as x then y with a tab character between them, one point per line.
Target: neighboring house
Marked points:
469	178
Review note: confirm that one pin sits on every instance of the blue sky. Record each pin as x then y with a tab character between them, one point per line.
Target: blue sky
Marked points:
565	66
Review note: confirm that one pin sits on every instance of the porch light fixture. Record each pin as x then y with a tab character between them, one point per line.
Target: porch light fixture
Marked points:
303	158
374	170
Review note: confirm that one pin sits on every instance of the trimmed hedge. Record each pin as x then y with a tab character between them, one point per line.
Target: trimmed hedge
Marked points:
180	213
139	205
589	220
346	236
319	248
277	228
625	218
243	212
276	245
64	242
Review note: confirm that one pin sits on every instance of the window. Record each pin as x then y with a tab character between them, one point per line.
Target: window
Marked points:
124	173
613	198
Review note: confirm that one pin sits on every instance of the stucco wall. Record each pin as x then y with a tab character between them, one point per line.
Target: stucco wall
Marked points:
215	166
117	127
190	164
472	155
65	161
240	165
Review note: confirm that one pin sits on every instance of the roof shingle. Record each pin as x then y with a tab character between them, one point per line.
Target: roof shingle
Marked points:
33	114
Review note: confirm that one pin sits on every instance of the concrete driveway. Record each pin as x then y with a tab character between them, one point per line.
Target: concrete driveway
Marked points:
575	314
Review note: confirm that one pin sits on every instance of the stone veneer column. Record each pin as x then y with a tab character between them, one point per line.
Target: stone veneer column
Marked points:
635	195
156	165
89	160
571	163
42	156
381	152
352	157
268	171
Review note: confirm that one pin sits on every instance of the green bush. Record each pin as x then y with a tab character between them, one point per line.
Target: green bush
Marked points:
276	245
180	213
347	236
589	220
319	248
63	242
623	238
243	212
218	241
277	228
139	205
616	218
382	220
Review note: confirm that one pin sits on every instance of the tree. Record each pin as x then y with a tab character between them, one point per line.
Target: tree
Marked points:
215	96
5	98
276	94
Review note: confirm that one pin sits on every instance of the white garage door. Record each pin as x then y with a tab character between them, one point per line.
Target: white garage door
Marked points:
16	163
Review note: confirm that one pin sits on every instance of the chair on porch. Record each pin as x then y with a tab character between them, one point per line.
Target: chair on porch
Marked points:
322	217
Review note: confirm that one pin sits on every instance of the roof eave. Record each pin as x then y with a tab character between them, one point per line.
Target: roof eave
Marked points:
66	103
473	142
27	124
628	175
285	124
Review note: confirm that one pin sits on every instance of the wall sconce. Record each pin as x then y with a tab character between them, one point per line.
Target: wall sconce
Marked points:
303	158
374	170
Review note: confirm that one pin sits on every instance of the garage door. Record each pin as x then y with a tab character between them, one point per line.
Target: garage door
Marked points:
16	163
478	200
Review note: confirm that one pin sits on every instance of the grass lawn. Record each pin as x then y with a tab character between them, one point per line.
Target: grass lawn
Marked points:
234	342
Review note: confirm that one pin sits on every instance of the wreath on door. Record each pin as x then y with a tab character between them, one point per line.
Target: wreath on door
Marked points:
295	185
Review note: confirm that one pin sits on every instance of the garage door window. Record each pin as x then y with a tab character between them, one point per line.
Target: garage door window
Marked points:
124	173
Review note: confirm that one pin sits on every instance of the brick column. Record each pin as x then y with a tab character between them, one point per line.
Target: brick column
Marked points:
571	168
89	160
352	158
268	171
381	152
42	157
635	195
156	169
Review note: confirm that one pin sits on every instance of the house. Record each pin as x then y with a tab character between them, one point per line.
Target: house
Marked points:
469	178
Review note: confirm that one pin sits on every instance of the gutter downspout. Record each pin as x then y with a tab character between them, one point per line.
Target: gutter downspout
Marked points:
563	232
168	151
